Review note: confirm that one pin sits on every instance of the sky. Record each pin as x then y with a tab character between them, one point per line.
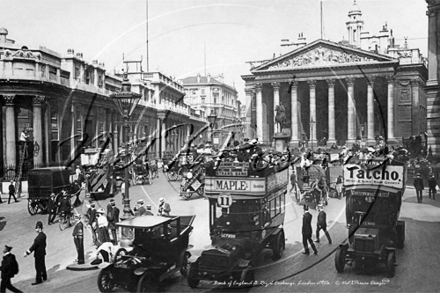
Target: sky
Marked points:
186	37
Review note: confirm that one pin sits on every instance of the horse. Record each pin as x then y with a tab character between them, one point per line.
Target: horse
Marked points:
280	117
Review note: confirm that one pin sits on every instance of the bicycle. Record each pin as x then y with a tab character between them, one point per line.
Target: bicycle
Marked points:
69	220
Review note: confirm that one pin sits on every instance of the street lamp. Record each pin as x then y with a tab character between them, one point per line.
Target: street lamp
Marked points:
126	101
211	119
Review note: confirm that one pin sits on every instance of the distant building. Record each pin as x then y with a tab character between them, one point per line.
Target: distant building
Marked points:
213	96
363	86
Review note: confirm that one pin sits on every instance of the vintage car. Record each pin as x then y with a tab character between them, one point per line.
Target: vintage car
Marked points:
159	249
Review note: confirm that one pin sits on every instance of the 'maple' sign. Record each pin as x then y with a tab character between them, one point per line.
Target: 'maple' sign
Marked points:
391	176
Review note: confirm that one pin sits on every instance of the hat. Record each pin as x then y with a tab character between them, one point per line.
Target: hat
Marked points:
246	139
320	206
92	204
39	225
418	175
148	207
8	248
112	200
161	199
100	211
236	143
140	201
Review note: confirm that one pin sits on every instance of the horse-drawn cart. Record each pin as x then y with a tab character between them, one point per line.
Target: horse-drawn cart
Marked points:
44	181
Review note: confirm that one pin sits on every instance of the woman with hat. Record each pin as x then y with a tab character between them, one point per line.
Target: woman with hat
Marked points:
103	235
9	269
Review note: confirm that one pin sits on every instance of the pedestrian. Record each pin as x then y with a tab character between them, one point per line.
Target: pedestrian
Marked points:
149	212
78	239
102	227
78	173
65	206
24	138
418	185
113	218
12	192
9	269
39	250
293	179
339	182
164	207
52	208
432	183
139	209
307	231
322	224
91	213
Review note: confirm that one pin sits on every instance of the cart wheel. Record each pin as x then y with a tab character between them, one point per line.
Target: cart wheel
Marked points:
147	283
247	276
201	191
391	260
184	256
191	277
278	247
32	207
105	280
340	260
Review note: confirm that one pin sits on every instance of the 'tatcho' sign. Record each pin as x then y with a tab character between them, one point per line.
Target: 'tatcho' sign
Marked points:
391	176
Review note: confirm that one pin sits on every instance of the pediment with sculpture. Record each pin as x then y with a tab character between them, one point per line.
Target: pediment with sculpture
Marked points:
321	56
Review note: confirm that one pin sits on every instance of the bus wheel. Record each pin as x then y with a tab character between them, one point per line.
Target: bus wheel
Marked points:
391	260
340	260
278	247
400	234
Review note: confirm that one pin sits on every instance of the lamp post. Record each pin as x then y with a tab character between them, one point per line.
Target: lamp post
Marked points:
312	124
126	101
211	119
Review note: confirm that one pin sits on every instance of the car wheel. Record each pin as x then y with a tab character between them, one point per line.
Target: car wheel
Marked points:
391	260
147	283
340	260
278	246
184	256
105	280
191	278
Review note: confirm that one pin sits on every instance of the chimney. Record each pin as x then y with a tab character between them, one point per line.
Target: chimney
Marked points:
198	77
3	34
209	77
301	40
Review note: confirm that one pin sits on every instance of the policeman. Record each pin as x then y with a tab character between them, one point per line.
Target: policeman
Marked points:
78	239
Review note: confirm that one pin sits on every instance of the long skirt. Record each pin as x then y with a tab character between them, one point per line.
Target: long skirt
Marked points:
103	235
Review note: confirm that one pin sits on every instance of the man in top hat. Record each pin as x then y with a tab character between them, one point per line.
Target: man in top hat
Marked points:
307	231
140	210
91	213
432	183
39	250
418	185
164	207
9	269
322	224
113	218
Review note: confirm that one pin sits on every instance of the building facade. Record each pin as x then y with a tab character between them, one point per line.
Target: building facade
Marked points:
214	97
432	87
360	87
64	102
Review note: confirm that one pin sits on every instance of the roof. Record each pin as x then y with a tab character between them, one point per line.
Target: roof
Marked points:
145	221
203	79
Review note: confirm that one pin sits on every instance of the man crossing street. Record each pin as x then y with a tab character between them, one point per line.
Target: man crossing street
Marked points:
322	224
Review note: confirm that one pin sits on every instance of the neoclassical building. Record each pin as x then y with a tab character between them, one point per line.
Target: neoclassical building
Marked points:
360	87
65	103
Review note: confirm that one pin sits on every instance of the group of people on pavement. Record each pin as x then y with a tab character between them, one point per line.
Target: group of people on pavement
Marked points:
307	230
419	187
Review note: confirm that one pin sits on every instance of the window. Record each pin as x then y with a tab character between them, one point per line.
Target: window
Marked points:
54	127
77	71
202	91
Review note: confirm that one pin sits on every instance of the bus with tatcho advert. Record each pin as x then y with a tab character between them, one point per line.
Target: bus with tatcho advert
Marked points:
246	215
373	192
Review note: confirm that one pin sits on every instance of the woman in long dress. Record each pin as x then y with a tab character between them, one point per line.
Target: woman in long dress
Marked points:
103	235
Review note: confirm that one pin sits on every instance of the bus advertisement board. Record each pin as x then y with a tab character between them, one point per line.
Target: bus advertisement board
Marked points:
391	176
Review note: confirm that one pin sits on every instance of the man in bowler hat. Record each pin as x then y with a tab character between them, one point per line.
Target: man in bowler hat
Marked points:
322	224
8	271
418	185
39	250
112	219
307	231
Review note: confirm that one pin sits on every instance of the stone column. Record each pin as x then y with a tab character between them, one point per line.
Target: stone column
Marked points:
11	141
390	108
418	115
258	89
249	94
276	102
331	111
48	132
370	112
433	42
73	137
294	113
351	120
312	88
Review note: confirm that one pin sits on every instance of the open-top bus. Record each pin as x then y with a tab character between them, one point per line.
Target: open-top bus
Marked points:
373	194
246	215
